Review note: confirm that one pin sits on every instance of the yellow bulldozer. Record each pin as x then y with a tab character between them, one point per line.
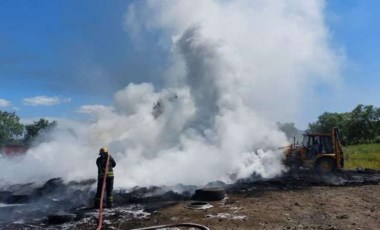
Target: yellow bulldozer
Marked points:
318	151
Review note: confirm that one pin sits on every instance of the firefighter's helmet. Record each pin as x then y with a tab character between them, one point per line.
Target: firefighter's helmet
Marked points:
103	150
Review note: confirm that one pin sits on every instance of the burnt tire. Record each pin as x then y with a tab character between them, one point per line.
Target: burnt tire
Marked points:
199	205
325	165
209	194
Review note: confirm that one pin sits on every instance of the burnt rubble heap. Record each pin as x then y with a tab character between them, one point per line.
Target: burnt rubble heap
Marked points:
32	202
56	204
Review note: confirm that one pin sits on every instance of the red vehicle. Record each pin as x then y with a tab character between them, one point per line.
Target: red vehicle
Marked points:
12	150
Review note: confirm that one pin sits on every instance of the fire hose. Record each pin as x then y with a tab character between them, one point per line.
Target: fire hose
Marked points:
100	223
102	195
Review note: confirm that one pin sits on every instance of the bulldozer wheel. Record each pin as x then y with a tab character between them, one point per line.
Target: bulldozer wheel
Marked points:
325	165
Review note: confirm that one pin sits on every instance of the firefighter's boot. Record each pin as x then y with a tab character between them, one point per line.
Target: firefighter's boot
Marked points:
109	202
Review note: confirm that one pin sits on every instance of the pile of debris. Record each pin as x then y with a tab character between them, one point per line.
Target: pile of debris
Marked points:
306	178
59	205
70	204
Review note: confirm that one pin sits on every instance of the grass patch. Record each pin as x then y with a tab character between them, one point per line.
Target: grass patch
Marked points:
362	156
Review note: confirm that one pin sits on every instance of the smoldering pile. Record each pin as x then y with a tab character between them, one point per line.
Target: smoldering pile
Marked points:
31	202
56	202
304	179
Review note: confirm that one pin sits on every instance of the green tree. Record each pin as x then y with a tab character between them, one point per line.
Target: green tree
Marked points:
37	128
327	121
363	124
10	127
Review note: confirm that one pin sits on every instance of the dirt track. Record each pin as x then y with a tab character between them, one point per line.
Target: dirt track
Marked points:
321	207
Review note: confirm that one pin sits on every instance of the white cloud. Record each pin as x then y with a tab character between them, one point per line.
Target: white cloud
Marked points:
4	103
45	100
91	109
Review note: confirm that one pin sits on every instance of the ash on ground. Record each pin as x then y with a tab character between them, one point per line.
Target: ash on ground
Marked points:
59	205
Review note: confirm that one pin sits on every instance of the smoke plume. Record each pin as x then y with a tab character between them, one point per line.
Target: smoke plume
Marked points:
236	67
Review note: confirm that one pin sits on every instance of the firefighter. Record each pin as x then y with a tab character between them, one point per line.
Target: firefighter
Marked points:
101	163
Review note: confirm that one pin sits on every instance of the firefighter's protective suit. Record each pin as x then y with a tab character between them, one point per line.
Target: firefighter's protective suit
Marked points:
101	163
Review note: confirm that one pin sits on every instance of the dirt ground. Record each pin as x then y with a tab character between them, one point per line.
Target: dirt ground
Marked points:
315	207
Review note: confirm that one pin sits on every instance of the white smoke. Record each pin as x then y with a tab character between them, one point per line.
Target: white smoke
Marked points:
237	67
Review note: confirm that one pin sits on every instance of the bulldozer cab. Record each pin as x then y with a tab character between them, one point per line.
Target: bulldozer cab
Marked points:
317	144
319	151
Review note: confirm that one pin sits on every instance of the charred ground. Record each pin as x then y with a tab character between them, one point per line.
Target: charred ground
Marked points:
343	200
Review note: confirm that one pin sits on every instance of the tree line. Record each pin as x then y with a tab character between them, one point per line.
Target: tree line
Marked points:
360	126
12	131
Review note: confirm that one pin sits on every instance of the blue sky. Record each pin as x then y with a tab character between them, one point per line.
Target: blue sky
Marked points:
78	52
70	49
354	26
